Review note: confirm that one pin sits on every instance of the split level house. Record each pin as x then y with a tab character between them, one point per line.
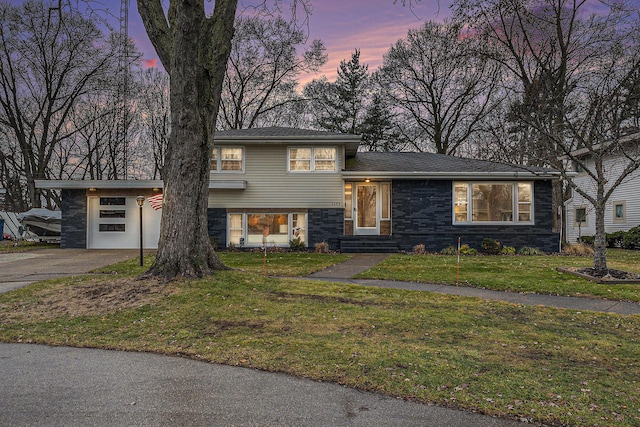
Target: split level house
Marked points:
275	185
622	211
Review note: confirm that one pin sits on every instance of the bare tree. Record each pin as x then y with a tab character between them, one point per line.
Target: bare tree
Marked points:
442	83
155	127
262	69
575	75
544	47
48	62
599	137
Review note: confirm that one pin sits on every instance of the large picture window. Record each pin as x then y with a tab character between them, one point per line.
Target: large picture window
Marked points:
227	159
312	159
276	229
493	202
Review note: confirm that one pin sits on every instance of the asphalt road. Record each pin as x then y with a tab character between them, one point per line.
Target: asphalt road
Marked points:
61	386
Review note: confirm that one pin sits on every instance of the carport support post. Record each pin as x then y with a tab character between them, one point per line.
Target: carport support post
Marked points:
140	201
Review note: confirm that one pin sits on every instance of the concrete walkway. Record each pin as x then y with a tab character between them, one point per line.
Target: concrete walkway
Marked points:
361	262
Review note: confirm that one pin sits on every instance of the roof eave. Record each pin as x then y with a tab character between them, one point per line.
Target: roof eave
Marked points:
228	184
451	175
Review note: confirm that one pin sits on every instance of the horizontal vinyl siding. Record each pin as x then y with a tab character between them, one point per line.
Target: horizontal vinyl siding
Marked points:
628	192
269	185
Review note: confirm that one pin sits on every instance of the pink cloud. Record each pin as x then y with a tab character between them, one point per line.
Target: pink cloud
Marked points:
150	63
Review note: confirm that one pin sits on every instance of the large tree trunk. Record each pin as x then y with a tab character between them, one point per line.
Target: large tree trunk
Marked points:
600	242
196	59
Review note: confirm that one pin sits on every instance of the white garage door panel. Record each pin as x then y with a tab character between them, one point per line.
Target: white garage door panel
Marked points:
106	232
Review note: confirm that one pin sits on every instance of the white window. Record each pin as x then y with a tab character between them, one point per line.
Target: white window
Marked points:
227	159
580	217
493	202
312	159
236	230
275	229
619	212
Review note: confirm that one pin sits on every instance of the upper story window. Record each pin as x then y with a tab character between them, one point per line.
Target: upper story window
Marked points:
493	202
227	159
312	159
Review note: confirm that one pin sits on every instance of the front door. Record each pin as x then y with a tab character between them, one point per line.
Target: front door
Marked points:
366	210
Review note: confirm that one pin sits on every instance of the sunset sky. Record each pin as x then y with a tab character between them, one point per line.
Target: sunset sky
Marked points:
343	25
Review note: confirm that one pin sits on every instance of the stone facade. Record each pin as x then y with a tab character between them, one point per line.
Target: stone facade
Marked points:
325	225
422	213
73	224
217	226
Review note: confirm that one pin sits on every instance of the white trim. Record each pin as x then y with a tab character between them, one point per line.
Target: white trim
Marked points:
514	203
218	169
63	184
312	160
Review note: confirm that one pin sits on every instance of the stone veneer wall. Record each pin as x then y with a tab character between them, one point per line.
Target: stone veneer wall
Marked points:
325	225
217	225
422	213
74	219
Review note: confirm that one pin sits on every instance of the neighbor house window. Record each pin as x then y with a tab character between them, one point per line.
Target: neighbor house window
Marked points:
619	212
276	229
580	216
312	159
492	202
227	159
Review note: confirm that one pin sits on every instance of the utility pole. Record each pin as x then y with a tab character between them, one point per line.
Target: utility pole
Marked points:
122	139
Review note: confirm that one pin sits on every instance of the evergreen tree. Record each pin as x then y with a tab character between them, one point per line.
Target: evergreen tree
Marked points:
339	106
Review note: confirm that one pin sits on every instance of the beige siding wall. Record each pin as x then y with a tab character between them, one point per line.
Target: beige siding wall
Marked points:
626	193
269	185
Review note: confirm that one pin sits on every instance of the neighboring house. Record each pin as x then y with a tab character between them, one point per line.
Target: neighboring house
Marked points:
278	184
622	211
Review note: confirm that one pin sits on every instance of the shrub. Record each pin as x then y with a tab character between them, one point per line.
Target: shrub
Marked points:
530	250
297	245
615	239
508	250
490	246
321	248
580	249
589	240
449	250
419	249
464	250
467	250
631	239
214	243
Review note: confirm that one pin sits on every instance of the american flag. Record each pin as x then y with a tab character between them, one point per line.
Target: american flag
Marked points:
156	201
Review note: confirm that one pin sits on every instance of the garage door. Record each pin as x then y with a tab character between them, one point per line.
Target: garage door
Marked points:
114	223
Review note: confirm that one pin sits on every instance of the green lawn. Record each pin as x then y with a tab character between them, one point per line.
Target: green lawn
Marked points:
547	365
544	364
536	274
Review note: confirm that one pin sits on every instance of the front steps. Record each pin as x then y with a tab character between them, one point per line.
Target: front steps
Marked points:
368	244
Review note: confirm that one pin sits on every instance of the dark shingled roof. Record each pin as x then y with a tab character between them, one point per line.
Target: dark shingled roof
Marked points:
276	132
432	163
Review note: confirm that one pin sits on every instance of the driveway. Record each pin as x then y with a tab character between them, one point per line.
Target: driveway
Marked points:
23	268
58	386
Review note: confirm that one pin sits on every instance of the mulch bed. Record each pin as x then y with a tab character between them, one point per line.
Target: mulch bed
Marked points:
613	276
